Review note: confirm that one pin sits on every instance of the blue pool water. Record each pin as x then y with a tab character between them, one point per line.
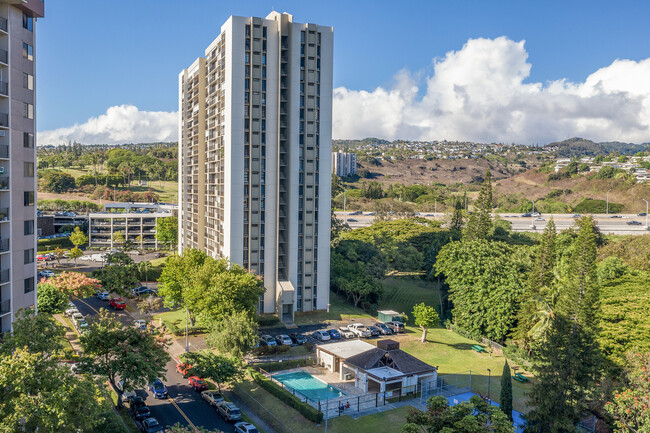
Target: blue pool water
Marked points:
307	385
516	416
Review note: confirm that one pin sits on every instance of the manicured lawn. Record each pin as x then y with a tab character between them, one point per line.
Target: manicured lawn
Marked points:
177	318
453	353
401	293
340	309
280	416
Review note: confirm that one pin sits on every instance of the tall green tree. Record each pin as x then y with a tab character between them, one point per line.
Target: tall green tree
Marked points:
221	369
167	231
50	299
456	223
176	282
480	224
506	391
118	278
539	287
235	334
36	333
425	317
568	363
78	238
486	281
118	352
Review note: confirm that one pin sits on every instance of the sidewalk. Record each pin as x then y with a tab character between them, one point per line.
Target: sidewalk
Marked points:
70	335
250	413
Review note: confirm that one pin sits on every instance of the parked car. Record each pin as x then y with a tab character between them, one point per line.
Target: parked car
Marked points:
142	290
229	411
385	330
334	334
267	340
321	335
46	274
117	304
151	425
374	331
139	408
345	332
197	383
140	324
283	340
634	223
75	317
70	311
82	325
245	427
44	257
183	369
359	330
158	389
212	397
396	327
298	338
103	296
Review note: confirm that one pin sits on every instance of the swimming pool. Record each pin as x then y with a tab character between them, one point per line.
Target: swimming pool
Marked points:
307	385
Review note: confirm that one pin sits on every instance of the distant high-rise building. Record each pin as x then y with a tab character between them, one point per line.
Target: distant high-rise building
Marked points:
17	157
255	136
344	164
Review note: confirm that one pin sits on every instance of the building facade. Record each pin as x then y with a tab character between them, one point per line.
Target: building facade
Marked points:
135	221
17	157
255	135
344	164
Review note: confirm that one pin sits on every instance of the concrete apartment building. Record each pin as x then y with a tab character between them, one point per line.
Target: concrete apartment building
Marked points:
344	164
136	221
17	157
255	148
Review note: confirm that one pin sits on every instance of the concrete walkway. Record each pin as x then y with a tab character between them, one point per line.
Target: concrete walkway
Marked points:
70	334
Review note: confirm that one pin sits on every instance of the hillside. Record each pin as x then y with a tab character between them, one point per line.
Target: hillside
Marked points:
532	185
577	147
445	171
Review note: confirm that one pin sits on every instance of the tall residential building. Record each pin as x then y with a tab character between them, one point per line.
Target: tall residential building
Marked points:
255	135
17	157
344	164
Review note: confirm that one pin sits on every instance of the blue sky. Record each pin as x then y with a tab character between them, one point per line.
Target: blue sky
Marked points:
92	55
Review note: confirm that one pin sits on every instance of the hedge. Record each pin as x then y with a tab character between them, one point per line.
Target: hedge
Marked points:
285	365
51	244
285	396
267	320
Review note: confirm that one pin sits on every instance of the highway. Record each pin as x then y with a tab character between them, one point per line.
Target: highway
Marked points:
607	223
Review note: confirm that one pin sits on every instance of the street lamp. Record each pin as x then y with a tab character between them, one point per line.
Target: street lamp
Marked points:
646	213
489	380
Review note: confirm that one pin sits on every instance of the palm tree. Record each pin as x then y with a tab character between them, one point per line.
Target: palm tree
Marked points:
144	268
545	315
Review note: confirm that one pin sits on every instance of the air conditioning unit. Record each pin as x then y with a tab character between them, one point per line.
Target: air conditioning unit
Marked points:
348	376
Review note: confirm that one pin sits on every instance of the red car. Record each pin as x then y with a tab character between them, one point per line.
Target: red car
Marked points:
117	304
183	369
198	384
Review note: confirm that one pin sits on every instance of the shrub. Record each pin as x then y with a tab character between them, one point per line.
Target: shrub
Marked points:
285	396
267	320
270	350
285	365
51	244
591	206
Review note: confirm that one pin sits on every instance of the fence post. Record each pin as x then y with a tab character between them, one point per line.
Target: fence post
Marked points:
376	399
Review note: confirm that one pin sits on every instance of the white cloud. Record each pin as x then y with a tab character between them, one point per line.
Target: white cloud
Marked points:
120	124
479	93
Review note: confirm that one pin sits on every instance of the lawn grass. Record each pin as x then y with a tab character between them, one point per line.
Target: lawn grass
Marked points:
177	318
401	293
340	309
453	353
283	417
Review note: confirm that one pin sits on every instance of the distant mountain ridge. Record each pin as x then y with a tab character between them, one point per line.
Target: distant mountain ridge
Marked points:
577	146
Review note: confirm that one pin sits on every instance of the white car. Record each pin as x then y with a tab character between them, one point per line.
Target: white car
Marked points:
245	427
283	340
76	317
70	311
212	397
345	332
322	335
103	296
359	329
46	274
85	258
140	324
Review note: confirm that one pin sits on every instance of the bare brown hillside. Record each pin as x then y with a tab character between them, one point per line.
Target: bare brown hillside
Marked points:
419	171
534	186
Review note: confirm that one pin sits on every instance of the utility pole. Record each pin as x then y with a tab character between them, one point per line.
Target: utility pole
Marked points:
608	201
489	380
646	213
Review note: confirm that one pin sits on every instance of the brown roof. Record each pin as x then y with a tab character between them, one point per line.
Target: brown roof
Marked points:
397	359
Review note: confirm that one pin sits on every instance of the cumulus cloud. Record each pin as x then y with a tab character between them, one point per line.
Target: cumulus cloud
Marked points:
120	124
480	93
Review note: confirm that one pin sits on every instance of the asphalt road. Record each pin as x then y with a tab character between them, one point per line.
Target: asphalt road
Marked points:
606	223
184	405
